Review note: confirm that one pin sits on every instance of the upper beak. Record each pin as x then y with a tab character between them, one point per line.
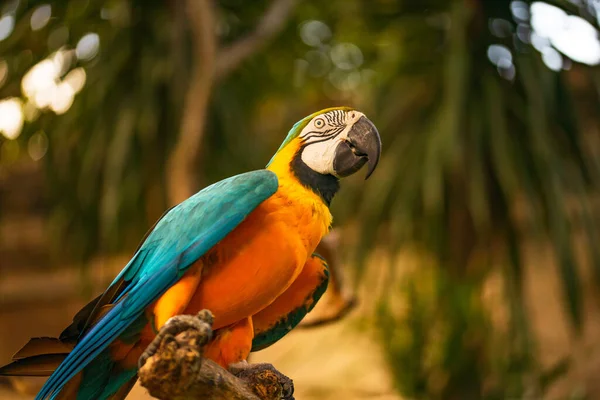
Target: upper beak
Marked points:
362	146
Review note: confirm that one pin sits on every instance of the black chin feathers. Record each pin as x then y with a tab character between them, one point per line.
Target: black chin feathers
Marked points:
326	186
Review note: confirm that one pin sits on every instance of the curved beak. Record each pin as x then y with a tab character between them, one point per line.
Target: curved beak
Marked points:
362	146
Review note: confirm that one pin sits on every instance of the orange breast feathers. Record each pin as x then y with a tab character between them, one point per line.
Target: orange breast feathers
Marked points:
257	261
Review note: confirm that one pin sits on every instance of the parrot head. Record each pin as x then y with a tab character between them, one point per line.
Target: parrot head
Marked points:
328	145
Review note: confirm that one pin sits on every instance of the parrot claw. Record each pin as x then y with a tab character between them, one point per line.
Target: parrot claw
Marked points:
201	323
264	379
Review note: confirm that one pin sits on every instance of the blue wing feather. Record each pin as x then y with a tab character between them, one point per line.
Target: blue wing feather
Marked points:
182	236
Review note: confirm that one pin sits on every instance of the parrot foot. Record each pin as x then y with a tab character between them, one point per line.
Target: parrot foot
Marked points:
264	379
200	323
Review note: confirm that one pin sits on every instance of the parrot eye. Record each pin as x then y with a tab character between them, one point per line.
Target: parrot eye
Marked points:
319	123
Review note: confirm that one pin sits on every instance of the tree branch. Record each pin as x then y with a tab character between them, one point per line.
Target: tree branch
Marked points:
271	23
209	66
181	163
337	302
173	368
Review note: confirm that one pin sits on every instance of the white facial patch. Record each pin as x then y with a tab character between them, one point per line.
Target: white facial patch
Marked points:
322	135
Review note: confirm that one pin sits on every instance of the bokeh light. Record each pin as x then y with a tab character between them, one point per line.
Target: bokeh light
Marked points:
520	10
502	58
88	46
62	98
11	117
314	33
552	59
39	81
62	59
40	17
539	42
30	111
572	35
498	54
500	27
75	79
43	85
7	24
346	56
37	146
524	33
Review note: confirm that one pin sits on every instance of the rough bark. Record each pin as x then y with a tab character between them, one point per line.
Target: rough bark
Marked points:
173	368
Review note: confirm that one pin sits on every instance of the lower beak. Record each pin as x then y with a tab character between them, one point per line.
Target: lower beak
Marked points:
362	146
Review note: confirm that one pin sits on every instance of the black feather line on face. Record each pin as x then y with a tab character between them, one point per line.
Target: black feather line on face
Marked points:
325	135
312	134
326	186
328	117
339	114
335	118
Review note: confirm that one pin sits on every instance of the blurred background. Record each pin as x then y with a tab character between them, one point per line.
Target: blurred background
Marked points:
474	250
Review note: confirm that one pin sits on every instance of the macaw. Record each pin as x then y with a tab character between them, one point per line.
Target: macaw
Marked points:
242	248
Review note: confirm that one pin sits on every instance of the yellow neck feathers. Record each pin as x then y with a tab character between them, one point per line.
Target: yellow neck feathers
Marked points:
304	199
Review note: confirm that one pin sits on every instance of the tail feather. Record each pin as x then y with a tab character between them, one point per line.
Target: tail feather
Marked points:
39	357
42	345
90	346
42	365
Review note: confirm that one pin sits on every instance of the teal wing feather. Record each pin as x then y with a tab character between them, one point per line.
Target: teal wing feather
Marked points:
182	236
